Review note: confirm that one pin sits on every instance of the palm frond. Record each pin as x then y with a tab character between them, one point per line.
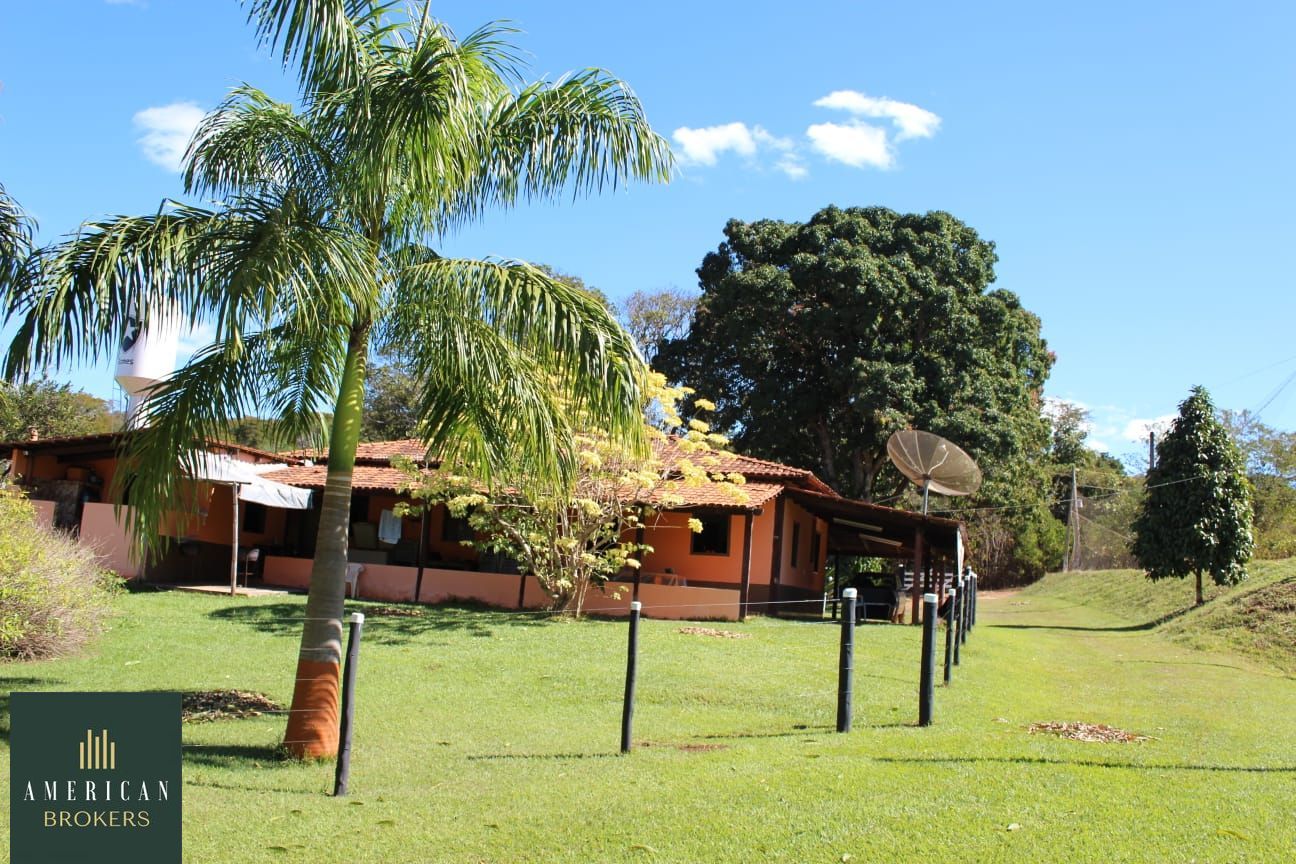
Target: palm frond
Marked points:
181	415
247	267
409	127
326	39
510	356
586	132
252	142
16	230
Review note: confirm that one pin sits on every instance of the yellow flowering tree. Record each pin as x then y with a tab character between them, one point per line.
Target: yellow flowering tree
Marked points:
582	535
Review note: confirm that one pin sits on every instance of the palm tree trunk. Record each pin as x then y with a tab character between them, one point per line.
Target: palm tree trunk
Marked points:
313	722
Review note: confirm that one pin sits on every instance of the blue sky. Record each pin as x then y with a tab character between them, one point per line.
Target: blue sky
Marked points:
1131	161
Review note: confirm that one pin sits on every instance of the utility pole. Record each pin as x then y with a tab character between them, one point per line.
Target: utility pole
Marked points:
1074	557
1151	450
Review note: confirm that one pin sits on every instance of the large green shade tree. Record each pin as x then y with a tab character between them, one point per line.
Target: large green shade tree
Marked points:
323	251
822	338
1196	515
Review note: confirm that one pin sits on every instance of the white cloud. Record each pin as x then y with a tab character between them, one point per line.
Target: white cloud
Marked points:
791	165
856	144
766	139
853	142
167	130
909	119
702	146
1138	428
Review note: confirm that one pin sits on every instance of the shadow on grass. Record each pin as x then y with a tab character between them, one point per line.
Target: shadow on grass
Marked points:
1252	670
249	787
381	627
506	757
21	683
234	755
794	732
1085	763
1128	628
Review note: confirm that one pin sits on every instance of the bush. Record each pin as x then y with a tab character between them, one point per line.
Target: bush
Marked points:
54	597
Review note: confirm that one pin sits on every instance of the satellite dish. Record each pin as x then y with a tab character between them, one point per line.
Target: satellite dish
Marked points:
933	463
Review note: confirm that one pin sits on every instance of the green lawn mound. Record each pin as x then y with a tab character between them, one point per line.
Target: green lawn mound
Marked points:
1257	618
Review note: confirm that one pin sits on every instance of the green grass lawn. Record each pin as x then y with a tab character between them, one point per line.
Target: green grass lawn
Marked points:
492	737
1256	617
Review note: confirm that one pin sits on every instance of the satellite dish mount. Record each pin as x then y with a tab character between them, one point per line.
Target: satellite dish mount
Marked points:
934	464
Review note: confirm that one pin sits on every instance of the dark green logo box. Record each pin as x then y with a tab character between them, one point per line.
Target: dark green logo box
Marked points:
94	777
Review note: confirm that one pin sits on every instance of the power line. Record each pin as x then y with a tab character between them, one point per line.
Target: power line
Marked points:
1274	395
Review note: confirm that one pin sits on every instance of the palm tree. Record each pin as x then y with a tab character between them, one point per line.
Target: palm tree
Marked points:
322	251
15	238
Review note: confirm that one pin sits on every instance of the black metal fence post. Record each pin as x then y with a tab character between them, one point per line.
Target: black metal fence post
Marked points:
343	775
974	598
949	632
846	662
966	610
957	612
926	680
632	664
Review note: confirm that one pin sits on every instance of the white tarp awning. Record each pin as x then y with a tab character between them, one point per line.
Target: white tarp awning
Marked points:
226	471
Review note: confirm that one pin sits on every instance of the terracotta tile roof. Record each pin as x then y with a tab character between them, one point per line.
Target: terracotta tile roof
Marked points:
379	452
373	456
116	439
369	477
669	450
374	478
718	496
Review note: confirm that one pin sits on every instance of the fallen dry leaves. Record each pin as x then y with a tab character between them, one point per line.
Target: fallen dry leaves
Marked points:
711	631
1092	732
202	706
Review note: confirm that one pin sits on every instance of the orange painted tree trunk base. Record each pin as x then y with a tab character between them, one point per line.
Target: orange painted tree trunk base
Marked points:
313	723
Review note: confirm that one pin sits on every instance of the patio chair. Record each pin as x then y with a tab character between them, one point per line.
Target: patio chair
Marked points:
353	572
249	560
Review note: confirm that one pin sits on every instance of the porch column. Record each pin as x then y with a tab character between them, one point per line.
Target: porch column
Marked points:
638	571
915	592
776	560
234	544
422	551
746	567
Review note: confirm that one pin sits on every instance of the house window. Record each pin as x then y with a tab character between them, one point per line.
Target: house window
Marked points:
254	518
713	539
814	550
359	508
455	529
796	542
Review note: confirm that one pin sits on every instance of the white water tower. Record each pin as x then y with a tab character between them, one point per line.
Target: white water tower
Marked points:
147	355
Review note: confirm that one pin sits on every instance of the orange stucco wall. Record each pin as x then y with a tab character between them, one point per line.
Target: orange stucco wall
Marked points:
214	520
44	513
671	542
805	572
101	531
448	550
42	465
390	583
393	583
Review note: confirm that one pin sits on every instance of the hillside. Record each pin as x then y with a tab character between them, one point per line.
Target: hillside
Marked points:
1257	618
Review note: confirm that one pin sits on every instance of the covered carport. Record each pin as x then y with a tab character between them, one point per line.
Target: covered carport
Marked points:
931	545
